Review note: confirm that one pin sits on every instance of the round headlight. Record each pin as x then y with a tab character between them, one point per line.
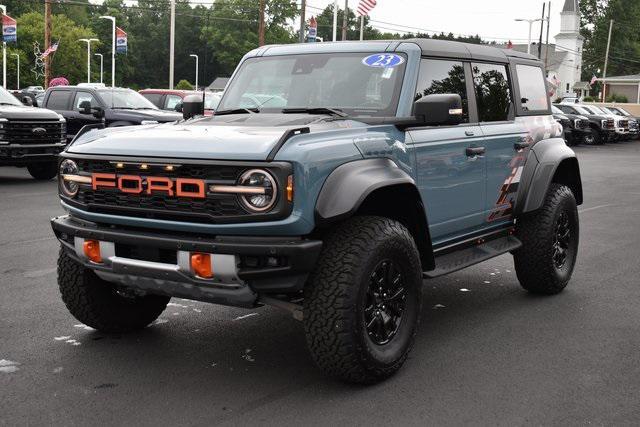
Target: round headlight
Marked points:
68	167
261	190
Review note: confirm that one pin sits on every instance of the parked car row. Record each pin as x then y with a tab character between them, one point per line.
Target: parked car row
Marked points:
590	124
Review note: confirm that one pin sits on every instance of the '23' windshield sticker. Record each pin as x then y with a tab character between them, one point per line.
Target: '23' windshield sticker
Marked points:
383	60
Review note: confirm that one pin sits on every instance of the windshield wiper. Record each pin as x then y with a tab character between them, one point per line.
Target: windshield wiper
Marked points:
237	111
316	110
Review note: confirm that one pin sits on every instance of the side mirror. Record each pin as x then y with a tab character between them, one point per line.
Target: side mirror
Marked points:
98	112
438	110
192	105
85	107
26	100
178	107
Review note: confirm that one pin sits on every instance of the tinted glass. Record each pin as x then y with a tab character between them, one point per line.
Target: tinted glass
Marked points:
337	80
493	93
171	101
125	99
59	100
153	97
533	89
438	77
582	110
81	97
7	98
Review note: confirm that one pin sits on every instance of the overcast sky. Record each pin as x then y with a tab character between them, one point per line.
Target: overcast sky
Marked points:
488	18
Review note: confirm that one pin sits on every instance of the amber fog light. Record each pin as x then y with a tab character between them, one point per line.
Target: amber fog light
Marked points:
68	168
264	193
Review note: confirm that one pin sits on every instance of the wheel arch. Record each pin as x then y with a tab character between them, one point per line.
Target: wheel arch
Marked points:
376	187
552	162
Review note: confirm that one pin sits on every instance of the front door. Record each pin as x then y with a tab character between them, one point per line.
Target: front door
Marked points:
78	120
450	162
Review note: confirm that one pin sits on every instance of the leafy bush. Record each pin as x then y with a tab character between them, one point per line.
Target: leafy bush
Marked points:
617	98
589	99
184	85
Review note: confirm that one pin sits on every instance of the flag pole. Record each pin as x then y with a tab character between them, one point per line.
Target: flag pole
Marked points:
361	26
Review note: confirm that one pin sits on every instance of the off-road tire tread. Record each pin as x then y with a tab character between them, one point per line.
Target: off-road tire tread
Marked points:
535	273
330	312
92	301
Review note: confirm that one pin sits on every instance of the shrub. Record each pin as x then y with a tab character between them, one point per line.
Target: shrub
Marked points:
184	85
588	99
617	98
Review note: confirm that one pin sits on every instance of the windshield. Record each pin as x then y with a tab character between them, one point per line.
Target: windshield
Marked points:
125	98
582	110
355	83
7	98
611	110
556	110
598	110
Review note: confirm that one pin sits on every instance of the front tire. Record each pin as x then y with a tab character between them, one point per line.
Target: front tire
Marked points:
98	303
550	235
43	171
362	302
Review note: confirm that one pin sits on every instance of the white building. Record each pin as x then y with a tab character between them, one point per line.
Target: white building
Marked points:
564	58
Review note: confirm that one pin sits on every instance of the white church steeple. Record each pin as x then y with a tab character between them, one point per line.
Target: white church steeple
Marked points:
570	41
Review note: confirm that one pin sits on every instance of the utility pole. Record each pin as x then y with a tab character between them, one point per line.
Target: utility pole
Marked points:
113	48
47	42
344	20
172	41
541	29
546	51
18	76
196	56
101	63
335	19
3	9
261	22
606	62
303	19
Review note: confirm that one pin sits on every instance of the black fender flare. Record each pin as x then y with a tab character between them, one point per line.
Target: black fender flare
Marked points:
544	161
349	184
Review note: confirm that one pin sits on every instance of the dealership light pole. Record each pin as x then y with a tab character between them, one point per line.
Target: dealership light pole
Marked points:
101	62
88	42
3	9
113	48
172	41
196	56
530	21
18	75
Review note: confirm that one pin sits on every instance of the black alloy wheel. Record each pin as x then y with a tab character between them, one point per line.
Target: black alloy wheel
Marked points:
386	302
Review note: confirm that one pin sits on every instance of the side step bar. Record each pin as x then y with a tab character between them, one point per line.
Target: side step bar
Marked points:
457	260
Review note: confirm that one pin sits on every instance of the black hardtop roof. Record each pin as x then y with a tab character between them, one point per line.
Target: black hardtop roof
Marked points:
452	49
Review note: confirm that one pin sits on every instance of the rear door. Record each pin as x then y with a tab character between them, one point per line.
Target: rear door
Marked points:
59	100
450	166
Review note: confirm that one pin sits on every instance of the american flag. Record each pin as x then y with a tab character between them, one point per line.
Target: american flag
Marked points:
365	7
50	49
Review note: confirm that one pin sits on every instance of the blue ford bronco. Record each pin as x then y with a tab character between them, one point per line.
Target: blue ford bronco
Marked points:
332	179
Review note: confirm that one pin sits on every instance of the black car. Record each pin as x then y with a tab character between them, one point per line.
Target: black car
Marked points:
30	137
576	128
94	104
603	127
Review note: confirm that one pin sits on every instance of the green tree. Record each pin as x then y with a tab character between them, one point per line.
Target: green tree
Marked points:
184	85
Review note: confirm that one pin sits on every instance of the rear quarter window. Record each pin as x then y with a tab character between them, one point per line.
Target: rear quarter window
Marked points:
59	100
533	90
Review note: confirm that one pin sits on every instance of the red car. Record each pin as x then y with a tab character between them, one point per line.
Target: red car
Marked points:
169	99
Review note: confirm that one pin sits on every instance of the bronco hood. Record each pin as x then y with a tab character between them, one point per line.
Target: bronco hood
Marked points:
237	137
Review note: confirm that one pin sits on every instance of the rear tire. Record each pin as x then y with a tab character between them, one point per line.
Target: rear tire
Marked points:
97	303
43	171
550	235
362	302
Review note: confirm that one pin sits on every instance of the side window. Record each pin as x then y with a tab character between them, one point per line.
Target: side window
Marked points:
154	98
533	90
493	93
59	100
171	102
440	76
81	97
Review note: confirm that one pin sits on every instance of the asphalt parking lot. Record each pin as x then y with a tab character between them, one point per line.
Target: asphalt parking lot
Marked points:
486	353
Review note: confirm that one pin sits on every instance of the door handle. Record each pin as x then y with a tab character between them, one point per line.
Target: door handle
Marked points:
474	151
469	132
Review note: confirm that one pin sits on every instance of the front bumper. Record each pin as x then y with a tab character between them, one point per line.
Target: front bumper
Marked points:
23	154
235	281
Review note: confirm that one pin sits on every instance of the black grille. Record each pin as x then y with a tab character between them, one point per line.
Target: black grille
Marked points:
215	208
624	124
582	124
34	132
